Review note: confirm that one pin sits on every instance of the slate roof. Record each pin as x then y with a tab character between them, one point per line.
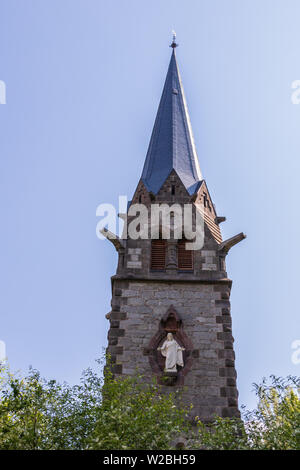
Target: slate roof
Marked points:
172	144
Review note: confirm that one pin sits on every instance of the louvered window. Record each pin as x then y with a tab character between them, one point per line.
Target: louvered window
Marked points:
185	257
158	255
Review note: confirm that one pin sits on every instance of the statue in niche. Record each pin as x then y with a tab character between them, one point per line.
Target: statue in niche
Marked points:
172	351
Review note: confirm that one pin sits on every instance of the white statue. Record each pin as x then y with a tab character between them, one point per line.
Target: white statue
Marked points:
172	352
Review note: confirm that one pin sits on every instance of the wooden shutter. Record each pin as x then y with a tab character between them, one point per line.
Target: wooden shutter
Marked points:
185	257
158	255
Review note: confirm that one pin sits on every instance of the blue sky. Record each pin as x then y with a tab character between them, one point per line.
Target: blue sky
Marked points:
83	82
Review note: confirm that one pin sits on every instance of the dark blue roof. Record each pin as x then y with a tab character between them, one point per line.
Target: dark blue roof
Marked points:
172	144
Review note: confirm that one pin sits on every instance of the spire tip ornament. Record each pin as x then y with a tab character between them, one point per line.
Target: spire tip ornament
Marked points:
174	44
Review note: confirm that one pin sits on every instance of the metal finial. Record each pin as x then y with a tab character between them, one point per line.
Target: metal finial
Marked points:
174	44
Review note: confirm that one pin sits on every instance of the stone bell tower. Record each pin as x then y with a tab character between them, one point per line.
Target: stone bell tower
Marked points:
162	287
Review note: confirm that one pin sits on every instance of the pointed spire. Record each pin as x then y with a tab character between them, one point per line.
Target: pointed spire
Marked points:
172	144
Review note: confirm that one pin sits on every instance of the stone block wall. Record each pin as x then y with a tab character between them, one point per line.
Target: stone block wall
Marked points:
134	258
204	308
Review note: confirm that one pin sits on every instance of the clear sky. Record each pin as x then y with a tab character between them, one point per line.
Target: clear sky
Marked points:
83	81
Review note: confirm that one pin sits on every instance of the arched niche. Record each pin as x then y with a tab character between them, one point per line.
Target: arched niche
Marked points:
169	323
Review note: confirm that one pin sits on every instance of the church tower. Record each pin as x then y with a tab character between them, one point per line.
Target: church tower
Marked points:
164	291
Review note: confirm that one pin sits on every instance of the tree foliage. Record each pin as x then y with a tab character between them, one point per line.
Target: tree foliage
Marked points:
43	414
118	413
273	425
135	415
126	413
